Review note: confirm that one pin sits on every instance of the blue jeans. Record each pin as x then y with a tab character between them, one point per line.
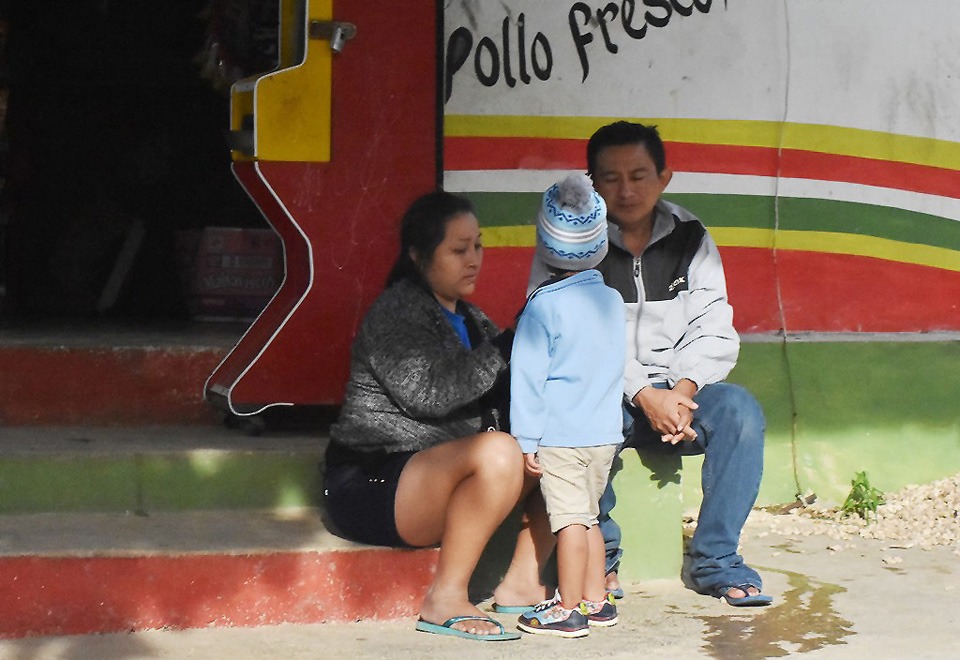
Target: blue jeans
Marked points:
730	426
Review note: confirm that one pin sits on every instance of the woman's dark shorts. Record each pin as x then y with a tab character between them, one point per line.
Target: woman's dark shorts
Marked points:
360	498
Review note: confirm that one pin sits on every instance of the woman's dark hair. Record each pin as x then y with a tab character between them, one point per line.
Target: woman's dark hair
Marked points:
422	229
624	132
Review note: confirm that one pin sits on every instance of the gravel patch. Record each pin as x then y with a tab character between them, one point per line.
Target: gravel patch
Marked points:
924	516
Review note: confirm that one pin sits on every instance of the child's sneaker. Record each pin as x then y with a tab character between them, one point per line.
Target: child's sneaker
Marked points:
550	618
601	613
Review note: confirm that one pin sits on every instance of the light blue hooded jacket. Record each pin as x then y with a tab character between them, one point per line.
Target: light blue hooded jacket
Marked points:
566	368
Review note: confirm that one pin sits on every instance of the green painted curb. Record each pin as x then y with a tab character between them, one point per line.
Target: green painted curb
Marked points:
832	408
150	482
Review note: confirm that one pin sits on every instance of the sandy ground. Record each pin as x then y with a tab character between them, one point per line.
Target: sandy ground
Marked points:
858	598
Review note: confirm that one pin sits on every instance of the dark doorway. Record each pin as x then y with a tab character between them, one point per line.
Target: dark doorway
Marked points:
113	142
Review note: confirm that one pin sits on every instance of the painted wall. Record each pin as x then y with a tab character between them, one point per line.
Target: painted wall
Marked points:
819	141
824	152
329	153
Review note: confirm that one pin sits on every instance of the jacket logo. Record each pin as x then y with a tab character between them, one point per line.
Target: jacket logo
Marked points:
677	282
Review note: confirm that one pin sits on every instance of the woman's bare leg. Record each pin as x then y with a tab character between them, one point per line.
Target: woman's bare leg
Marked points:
458	493
523	584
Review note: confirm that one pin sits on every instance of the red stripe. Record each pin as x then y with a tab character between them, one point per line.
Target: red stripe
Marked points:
877	295
843	293
721	159
491	153
475	153
83	595
871	172
105	386
480	153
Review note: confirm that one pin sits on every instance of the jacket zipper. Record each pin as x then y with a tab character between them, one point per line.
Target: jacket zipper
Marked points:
636	277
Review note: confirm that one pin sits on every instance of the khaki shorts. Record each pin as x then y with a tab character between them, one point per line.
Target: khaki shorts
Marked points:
573	481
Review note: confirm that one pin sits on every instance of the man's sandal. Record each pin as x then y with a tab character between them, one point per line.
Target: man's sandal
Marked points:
618	592
756	600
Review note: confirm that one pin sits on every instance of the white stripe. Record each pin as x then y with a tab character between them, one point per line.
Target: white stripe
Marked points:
502	180
722	184
733	184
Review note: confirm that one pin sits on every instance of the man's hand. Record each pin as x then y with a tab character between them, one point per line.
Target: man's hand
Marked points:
670	412
531	465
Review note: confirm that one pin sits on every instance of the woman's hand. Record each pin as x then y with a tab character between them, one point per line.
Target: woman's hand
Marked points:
531	465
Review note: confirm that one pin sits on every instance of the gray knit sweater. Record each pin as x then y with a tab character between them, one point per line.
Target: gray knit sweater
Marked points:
413	384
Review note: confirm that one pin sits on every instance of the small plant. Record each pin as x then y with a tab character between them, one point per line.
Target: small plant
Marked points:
863	498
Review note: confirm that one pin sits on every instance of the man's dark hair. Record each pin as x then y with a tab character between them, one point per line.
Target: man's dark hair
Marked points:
624	132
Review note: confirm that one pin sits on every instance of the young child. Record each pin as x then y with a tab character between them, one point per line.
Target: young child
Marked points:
566	390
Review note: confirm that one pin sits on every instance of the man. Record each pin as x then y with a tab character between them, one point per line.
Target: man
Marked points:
681	345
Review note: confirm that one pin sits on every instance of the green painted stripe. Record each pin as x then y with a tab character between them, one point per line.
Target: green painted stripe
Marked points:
498	209
824	216
751	211
757	212
880	221
176	481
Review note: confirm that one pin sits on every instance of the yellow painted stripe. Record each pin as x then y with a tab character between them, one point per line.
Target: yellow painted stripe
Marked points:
702	131
836	140
510	236
811	241
869	246
743	237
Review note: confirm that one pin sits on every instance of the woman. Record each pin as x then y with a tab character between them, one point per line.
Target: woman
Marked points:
415	458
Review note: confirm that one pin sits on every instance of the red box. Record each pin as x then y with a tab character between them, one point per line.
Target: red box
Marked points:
229	273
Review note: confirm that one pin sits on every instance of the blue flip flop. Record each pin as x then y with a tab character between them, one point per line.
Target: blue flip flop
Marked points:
512	609
446	628
756	600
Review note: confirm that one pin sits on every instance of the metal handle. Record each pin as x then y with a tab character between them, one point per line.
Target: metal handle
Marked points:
337	32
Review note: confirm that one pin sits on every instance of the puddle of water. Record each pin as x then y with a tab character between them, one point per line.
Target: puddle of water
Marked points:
787	547
802	620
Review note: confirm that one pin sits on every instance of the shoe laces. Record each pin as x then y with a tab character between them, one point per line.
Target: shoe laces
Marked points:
550	603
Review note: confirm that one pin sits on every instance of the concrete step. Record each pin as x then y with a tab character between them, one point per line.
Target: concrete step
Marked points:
106	529
157	468
82	573
108	373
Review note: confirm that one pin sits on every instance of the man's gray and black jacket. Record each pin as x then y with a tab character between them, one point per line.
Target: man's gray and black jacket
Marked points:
679	322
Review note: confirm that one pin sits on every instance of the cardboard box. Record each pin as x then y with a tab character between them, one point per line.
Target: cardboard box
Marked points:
229	273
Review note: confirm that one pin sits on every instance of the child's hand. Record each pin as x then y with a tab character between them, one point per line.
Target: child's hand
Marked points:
531	465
